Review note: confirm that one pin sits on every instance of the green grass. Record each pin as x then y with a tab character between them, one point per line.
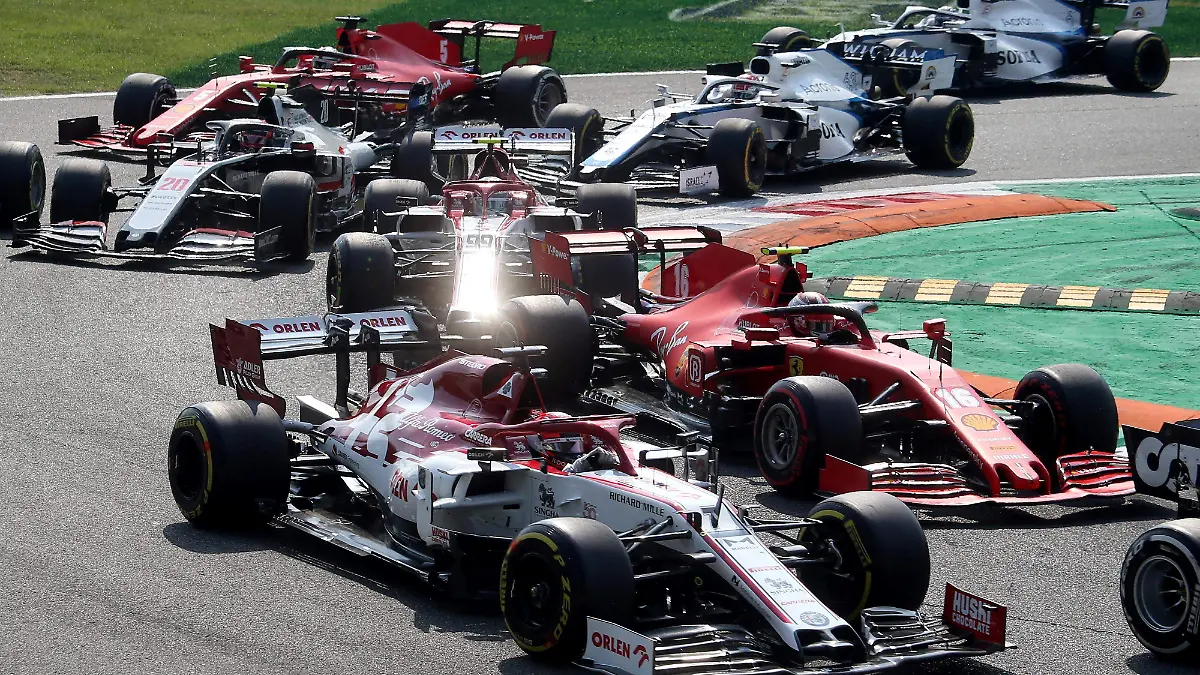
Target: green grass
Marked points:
1182	30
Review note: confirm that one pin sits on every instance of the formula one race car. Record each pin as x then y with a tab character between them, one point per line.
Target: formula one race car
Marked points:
460	254
998	41
366	82
792	112
456	473
740	349
1160	580
260	189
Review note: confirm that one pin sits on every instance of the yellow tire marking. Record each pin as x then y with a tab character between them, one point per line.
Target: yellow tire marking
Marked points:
936	290
1077	296
865	287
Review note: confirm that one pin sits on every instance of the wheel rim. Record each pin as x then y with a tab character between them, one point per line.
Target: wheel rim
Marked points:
187	472
534	600
37	184
1043	426
548	97
1152	63
780	437
1160	594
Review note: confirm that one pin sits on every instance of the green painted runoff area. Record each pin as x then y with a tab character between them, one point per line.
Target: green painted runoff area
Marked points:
1143	356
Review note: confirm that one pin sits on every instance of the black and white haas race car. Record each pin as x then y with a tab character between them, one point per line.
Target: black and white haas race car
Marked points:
792	112
461	253
1160	579
260	189
456	472
999	41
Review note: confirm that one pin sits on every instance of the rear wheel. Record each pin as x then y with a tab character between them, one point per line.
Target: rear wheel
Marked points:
1136	60
384	195
615	204
554	575
883	555
800	421
361	273
738	148
939	132
22	181
142	97
81	191
563	328
526	95
784	39
607	275
1075	411
894	82
413	159
228	465
288	201
1157	589
586	123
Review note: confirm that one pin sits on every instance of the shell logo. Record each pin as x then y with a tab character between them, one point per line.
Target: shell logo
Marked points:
979	422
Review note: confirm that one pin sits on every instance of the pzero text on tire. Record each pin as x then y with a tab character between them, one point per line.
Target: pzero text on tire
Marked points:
361	273
884	557
563	328
939	132
525	96
1136	60
288	201
22	181
801	420
227	463
1160	590
738	148
382	196
142	97
554	575
80	191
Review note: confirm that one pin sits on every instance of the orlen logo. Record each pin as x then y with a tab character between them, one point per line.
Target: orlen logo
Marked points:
620	647
449	134
517	134
297	327
384	322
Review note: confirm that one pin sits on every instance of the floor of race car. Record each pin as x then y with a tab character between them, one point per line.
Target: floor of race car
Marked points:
101	575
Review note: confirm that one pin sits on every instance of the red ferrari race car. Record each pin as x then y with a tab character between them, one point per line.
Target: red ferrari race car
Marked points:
365	81
738	349
461	253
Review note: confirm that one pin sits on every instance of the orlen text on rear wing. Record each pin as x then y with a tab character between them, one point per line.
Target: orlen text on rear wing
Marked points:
534	45
240	348
457	139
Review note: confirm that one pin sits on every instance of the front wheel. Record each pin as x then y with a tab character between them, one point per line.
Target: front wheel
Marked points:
22	181
555	574
939	132
614	204
361	273
783	39
1160	590
563	328
738	148
586	123
384	196
883	557
288	201
1136	60
1074	410
80	191
800	421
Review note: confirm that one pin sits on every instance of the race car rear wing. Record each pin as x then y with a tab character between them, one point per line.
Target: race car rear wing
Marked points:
240	348
459	139
534	45
1166	464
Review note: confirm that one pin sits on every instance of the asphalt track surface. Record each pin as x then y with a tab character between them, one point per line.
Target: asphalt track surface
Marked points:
99	573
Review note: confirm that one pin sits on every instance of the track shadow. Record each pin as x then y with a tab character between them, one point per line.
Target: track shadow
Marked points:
195	540
1022	90
1146	664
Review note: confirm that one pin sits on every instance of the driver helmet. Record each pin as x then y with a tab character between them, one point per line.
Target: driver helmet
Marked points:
253	140
811	324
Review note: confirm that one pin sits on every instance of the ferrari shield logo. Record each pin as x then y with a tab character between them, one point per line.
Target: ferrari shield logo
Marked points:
795	366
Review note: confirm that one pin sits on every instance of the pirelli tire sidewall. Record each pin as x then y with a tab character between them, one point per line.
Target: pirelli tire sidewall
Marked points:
1078	412
582	570
939	132
1173	546
826	420
228	464
738	148
1137	60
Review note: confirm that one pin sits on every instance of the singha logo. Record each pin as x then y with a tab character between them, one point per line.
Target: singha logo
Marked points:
546	496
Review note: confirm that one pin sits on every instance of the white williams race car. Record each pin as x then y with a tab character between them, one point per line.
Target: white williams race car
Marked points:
997	41
792	112
258	190
455	472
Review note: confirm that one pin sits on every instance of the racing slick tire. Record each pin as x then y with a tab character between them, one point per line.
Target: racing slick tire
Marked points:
1160	590
554	575
586	123
227	462
287	201
413	159
800	421
382	195
784	39
939	132
563	328
608	275
884	557
526	95
1136	60
893	82
738	148
22	181
81	191
614	203
361	273
142	97
1077	412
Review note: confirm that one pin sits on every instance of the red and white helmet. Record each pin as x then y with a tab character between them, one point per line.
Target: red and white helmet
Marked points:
811	324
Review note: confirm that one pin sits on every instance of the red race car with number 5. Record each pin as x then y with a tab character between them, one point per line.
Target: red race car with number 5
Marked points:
740	350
